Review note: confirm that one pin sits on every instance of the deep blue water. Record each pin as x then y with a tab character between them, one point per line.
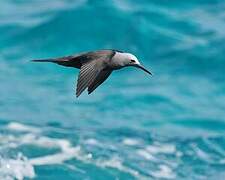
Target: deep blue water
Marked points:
168	126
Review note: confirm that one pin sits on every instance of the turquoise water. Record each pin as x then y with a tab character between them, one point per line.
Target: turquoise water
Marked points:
168	126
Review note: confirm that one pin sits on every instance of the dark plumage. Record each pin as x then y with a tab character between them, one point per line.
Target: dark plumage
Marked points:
96	66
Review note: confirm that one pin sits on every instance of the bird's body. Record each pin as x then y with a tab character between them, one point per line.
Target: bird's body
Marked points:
96	66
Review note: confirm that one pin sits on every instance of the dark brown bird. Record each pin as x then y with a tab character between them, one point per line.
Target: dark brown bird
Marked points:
96	66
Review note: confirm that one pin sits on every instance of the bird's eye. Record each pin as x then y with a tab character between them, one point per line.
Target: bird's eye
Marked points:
132	61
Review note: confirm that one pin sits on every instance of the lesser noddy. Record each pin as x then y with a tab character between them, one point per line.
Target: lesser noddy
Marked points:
96	66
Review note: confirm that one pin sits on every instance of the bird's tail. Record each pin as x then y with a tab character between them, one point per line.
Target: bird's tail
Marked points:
64	61
45	60
60	61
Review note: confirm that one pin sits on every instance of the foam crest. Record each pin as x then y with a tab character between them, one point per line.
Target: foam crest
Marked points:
22	128
200	153
116	163
18	168
164	172
145	154
92	141
22	167
130	142
57	158
65	150
161	148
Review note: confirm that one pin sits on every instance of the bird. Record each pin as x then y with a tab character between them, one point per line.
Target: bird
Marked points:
96	66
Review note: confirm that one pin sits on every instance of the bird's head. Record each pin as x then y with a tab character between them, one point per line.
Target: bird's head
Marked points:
131	60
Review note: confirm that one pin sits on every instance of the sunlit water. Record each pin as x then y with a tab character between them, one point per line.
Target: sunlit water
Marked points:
168	126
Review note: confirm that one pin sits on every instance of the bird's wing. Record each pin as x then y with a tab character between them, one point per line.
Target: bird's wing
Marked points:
88	73
102	76
93	63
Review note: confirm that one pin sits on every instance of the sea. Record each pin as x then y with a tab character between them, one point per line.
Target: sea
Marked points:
170	125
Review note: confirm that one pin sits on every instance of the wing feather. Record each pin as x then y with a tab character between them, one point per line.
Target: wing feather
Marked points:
93	70
102	76
88	73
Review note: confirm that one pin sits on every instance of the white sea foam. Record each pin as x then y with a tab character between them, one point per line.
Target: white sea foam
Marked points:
116	162
164	172
21	168
21	127
161	148
92	141
130	142
70	152
179	154
57	158
146	154
200	153
16	168
67	151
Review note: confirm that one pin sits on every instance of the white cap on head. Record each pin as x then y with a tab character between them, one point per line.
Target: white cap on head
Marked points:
132	57
124	59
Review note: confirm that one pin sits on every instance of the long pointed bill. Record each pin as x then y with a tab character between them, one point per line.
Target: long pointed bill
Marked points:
143	68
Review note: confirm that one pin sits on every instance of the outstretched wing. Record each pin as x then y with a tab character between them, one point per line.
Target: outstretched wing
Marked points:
88	73
102	76
93	70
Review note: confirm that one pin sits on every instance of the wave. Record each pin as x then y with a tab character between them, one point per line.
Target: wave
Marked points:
142	159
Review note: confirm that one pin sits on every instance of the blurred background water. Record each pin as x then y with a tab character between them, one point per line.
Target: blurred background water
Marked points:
169	126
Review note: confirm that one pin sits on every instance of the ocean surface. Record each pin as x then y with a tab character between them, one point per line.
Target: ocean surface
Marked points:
167	126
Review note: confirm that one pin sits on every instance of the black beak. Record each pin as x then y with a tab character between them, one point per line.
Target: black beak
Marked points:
143	68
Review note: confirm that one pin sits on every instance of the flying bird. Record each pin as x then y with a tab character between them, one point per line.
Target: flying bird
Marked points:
96	66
